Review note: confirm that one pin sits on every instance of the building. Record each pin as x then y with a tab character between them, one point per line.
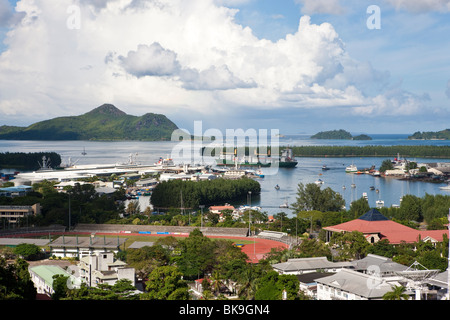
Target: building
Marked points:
380	265
353	285
12	214
80	247
42	277
102	268
308	265
376	227
16	191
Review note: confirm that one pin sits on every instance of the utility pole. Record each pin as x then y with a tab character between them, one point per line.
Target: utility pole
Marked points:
201	208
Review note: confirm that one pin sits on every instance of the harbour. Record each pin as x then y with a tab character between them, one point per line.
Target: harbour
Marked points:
126	157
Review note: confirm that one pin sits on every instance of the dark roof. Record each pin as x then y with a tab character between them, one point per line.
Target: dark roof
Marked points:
373	215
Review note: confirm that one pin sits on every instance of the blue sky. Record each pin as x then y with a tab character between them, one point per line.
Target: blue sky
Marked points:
246	62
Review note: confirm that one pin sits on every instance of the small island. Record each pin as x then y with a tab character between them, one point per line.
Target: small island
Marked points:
339	135
430	135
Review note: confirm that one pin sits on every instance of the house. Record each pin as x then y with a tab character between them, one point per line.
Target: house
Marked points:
102	268
42	277
376	227
75	246
308	265
353	285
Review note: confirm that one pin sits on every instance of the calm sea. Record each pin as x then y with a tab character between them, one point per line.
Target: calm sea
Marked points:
307	171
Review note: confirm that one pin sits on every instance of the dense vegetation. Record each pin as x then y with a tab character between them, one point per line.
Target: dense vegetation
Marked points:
372	151
103	123
31	161
340	135
431	135
169	194
85	204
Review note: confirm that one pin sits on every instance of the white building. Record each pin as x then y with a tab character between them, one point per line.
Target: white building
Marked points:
306	265
102	268
79	247
353	285
42	277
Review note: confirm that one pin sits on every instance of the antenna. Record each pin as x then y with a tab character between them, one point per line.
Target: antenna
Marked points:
417	277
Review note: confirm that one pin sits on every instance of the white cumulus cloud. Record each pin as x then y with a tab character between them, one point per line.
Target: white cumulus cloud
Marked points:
167	56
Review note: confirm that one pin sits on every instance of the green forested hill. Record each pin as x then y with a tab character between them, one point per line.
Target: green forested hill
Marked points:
431	135
339	134
103	123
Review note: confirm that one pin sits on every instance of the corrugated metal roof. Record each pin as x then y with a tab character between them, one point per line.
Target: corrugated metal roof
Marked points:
46	272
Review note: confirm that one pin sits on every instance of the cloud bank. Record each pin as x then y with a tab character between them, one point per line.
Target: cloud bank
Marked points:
170	56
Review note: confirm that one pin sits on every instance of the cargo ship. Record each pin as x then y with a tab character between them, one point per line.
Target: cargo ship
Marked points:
286	160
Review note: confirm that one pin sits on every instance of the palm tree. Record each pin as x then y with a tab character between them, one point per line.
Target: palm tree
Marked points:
247	285
397	293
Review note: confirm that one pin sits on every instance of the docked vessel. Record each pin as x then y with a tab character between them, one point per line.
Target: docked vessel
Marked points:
286	160
351	169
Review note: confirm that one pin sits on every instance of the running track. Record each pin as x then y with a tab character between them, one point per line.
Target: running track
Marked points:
255	250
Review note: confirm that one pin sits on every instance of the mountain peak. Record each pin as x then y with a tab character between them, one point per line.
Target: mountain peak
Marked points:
107	109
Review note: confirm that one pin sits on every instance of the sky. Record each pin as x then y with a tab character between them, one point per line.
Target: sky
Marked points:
296	66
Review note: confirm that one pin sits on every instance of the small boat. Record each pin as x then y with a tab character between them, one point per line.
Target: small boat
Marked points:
277	187
447	187
319	182
372	188
324	167
351	169
365	195
380	203
284	205
353	185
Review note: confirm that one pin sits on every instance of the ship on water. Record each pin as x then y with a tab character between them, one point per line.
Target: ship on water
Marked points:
285	160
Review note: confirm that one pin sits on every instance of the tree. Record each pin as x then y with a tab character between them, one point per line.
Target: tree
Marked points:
59	287
359	207
410	208
397	293
197	254
352	245
165	283
28	251
272	285
312	197
386	165
15	281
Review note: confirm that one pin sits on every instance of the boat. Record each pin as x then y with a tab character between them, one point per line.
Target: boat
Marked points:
277	187
284	205
380	203
319	182
324	167
351	169
376	173
365	196
372	188
286	160
447	187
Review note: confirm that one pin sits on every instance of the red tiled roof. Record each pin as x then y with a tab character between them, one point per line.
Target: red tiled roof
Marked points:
387	229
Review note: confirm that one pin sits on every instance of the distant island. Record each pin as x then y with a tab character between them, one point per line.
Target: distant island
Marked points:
430	135
340	135
106	123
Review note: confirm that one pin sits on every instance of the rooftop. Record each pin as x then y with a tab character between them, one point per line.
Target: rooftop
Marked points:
86	242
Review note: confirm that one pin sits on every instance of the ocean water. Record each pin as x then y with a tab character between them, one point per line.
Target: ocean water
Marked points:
307	171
